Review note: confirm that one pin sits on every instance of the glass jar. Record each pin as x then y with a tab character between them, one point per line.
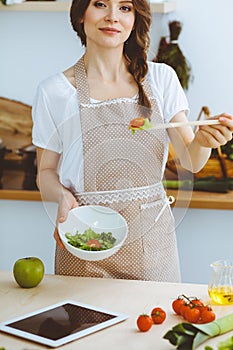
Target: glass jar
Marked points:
220	287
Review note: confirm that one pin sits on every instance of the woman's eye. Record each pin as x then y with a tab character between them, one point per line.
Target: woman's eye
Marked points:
99	4
125	8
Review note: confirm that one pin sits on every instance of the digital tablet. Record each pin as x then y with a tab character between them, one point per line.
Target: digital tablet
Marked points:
61	323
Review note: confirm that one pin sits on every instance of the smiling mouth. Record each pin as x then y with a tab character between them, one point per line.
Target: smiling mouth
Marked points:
109	30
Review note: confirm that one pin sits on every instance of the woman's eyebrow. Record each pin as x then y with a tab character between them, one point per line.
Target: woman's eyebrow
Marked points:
125	2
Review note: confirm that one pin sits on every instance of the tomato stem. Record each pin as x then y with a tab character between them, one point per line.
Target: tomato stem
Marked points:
189	299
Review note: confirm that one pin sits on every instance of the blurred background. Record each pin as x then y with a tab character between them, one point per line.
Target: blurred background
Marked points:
35	45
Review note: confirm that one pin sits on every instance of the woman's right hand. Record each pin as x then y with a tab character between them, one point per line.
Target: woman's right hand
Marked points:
65	204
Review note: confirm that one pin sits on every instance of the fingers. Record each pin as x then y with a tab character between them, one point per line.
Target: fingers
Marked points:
221	134
227	121
224	119
61	216
63	209
206	138
67	203
218	135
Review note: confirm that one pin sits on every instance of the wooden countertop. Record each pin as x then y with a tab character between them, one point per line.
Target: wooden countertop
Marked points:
203	200
195	199
20	195
123	296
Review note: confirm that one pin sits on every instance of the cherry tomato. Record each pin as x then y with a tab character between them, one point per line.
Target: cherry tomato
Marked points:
176	305
192	314
137	122
144	322
197	302
207	316
183	308
94	243
158	315
206	307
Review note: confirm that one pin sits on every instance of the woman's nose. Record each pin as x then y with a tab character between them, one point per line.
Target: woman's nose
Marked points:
111	16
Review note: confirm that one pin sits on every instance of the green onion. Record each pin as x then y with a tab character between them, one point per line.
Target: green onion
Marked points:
188	336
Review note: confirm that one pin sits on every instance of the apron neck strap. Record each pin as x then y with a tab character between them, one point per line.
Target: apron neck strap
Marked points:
81	81
147	88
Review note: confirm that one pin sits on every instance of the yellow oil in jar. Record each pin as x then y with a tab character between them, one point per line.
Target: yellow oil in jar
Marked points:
221	295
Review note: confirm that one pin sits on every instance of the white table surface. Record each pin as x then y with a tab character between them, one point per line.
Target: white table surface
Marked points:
130	297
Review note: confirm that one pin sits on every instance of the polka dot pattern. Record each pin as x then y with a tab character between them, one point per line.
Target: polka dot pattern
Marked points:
114	159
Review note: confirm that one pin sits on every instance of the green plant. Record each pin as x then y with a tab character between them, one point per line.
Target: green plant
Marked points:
227	150
171	54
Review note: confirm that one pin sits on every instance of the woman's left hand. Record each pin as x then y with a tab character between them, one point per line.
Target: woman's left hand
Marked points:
213	136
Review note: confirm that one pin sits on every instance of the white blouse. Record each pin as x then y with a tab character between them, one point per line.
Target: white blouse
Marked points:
56	119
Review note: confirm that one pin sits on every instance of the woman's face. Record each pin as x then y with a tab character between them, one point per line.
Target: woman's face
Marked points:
108	23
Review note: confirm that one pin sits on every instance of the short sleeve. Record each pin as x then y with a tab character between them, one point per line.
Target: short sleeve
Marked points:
174	98
44	132
167	90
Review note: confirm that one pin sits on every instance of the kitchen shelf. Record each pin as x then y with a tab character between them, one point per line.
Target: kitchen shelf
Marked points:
163	7
64	6
20	195
38	6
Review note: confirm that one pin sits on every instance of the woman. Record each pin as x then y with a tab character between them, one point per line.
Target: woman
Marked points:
86	153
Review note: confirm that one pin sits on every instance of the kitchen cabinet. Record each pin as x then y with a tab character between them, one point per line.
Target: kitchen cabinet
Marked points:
63	6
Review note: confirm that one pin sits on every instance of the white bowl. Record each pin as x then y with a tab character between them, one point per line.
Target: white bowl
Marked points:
98	218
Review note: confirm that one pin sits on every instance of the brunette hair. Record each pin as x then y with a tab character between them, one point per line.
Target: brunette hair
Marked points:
135	48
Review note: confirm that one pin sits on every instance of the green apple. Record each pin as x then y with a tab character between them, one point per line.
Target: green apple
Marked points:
28	272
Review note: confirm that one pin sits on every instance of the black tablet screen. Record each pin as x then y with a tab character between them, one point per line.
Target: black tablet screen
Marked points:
61	321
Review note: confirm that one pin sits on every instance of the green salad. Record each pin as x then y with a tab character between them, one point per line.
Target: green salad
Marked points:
90	240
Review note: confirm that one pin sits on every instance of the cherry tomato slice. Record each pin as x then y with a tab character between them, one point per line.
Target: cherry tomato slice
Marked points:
137	122
94	243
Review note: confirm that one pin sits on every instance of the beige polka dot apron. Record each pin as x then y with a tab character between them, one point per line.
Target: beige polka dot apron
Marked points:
124	172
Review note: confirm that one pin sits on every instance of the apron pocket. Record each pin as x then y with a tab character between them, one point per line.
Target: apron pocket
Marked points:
157	216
